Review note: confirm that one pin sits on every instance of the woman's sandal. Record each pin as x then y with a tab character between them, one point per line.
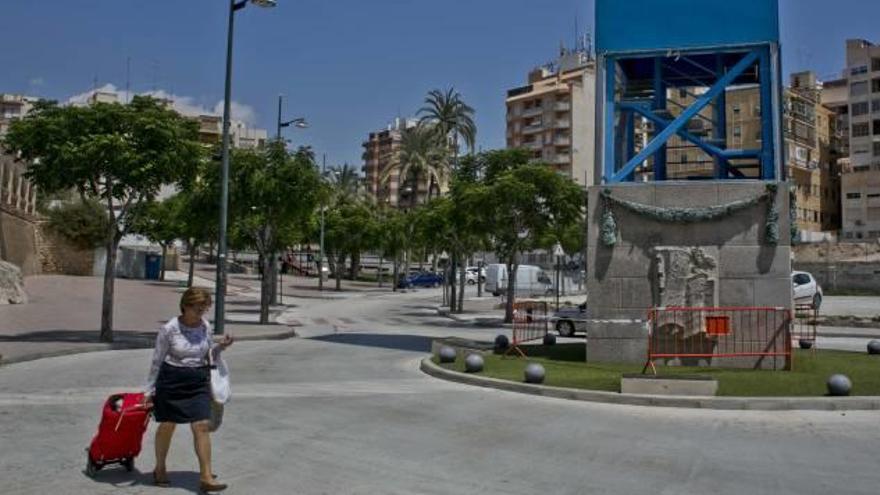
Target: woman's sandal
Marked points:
161	481
211	486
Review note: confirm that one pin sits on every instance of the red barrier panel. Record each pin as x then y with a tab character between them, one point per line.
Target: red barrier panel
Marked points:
754	337
530	322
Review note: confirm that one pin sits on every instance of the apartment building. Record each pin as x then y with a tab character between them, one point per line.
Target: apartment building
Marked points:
13	107
553	115
382	180
860	177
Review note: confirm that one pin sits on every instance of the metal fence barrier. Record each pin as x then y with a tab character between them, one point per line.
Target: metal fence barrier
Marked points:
530	322
753	337
804	330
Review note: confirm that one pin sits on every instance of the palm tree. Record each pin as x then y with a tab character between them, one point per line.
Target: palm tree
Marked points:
346	183
453	118
420	154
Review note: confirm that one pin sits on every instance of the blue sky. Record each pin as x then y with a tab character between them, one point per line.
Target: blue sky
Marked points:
349	66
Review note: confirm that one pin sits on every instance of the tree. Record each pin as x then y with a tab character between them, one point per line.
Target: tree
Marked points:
83	223
523	206
421	154
119	154
452	117
160	222
273	194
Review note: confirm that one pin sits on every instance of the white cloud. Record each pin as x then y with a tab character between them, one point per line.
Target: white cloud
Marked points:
185	105
38	81
238	111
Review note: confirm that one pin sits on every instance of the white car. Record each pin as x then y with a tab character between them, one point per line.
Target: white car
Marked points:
806	289
471	275
571	319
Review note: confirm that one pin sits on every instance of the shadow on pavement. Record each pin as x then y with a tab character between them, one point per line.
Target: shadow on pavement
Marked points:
120	478
415	343
81	336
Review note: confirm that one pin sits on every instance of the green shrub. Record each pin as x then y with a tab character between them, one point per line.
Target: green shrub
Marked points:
82	223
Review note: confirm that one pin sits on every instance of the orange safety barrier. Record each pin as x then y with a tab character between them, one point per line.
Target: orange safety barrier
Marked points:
530	322
806	321
702	336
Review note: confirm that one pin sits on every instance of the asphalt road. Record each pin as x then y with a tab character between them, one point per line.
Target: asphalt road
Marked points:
345	410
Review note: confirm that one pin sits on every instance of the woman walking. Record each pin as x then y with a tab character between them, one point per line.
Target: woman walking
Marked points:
179	384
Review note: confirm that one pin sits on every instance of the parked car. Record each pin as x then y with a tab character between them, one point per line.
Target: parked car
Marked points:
425	279
571	319
806	289
472	273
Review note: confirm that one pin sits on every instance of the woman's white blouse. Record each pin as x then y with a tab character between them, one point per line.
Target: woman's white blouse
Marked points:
179	345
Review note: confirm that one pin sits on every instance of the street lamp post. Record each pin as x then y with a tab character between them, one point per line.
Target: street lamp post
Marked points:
321	240
220	303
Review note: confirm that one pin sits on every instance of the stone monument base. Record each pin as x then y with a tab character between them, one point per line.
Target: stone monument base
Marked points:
617	341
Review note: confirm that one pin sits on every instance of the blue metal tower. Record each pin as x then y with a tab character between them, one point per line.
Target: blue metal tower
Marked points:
700	49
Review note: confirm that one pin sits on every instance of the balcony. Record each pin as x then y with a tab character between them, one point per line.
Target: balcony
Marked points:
562	106
532	129
561	159
562	124
533	145
533	112
562	141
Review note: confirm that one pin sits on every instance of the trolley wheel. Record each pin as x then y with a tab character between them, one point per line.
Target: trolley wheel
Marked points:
128	464
91	468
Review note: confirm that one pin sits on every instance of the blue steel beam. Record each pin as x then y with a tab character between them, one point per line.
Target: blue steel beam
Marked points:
609	155
660	103
663	136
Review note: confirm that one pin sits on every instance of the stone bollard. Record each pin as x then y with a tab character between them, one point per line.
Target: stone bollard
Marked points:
874	347
473	363
549	339
839	385
447	354
502	342
534	373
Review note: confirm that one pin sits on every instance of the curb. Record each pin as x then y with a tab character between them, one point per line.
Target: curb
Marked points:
121	346
717	403
485	322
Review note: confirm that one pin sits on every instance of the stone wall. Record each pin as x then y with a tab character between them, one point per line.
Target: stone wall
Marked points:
18	240
845	275
57	255
622	279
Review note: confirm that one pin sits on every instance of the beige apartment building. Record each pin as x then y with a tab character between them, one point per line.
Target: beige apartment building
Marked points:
382	179
860	177
13	107
553	115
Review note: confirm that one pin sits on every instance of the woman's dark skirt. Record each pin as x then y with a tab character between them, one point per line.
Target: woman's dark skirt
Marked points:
183	395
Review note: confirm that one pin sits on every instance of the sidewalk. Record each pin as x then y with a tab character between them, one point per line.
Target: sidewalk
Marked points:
64	314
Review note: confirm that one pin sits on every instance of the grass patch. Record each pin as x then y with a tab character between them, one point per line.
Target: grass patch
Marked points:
566	367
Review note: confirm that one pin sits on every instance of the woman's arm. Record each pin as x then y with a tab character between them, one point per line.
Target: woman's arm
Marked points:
159	353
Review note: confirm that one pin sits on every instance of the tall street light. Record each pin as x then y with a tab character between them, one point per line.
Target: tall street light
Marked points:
220	303
299	122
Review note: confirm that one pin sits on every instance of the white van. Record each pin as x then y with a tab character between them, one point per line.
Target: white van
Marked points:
530	280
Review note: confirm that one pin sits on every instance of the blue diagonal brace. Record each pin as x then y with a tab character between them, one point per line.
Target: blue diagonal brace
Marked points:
679	122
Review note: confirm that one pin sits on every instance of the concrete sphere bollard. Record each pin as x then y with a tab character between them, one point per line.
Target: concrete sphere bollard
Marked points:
447	354
473	363
549	338
839	385
534	373
874	347
805	344
502	342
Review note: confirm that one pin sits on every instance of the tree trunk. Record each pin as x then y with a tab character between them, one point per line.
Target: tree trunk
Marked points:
273	278
265	288
340	268
379	271
451	286
512	266
396	274
193	249
462	281
106	334
162	264
355	268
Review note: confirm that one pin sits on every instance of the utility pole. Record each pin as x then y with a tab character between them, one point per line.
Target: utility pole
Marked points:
321	254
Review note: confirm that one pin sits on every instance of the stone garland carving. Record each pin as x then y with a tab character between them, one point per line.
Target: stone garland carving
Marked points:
608	228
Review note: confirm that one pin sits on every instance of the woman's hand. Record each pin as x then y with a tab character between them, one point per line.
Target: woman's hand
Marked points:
225	341
147	401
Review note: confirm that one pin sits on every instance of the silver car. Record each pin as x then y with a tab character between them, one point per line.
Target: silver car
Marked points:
571	319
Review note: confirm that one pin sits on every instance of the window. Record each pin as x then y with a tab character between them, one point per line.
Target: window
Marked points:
874	195
875	64
800	278
853	195
875	85
861	130
875	106
858	88
736	109
859	70
801	154
860	108
737	131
